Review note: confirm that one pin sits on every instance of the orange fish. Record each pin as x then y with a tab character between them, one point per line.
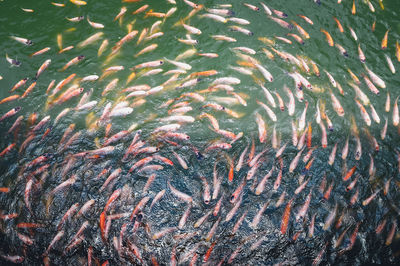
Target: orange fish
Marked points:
286	216
353	9
231	173
339	25
398	51
208	253
349	173
309	135
103	225
384	40
19	84
29	89
150	13
73	61
308	166
328	37
140	9
4	189
204	73
9	98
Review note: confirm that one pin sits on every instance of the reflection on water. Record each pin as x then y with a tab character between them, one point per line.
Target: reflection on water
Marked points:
199	133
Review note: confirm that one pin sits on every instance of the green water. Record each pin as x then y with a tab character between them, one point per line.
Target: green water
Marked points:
47	21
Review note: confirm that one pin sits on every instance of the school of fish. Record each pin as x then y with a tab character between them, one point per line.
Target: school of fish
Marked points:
102	194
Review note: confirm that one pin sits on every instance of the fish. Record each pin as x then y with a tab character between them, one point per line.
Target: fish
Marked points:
76	19
385	40
395	115
73	61
13	62
10	113
390	64
301	30
267	75
94	24
282	23
66	49
286	216
22	40
353	33
339	25
40	52
375	78
398	51
44	66
328	37
91	39
121	13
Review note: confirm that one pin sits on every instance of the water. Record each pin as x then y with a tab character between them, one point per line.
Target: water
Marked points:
47	21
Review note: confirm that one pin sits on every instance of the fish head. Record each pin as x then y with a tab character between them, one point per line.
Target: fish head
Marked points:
16	62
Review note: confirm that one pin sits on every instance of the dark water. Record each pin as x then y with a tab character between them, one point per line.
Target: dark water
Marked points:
358	220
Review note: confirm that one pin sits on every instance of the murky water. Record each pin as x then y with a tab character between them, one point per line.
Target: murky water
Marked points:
362	229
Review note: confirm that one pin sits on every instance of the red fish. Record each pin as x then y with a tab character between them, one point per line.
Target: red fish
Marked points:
7	150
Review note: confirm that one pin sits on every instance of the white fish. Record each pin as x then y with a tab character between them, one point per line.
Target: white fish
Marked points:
178	118
332	155
169	127
294	134
226	80
295	161
291	104
331	79
360	94
191	29
302	122
375	79
390	64
240	21
267	10
345	149
86	106
262	131
94	24
387	103
396	113
179	64
264	72
303	80
374	114
357	155
269	97
270	113
90	78
353	33
121	111
215	17
318	114
364	113
384	129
